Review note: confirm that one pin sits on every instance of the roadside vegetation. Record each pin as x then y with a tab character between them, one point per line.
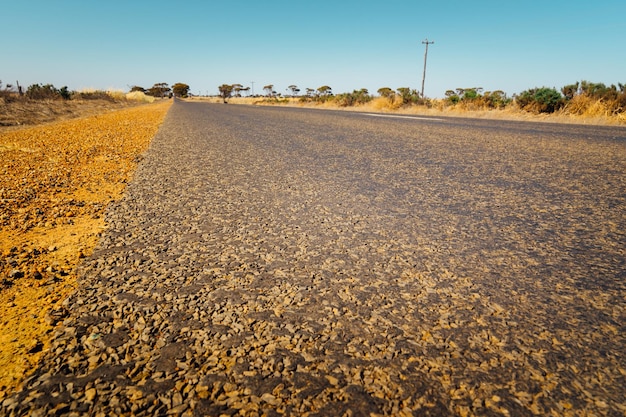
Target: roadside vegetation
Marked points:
581	100
43	103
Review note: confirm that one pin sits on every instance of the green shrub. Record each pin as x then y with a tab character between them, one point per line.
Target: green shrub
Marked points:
354	98
495	99
409	96
540	100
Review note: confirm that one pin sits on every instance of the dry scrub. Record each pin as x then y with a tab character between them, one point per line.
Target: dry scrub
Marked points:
55	183
579	111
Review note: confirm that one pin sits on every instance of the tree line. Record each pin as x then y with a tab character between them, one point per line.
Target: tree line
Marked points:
163	90
15	91
574	98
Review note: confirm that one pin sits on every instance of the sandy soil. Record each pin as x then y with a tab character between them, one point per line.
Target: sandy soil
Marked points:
56	180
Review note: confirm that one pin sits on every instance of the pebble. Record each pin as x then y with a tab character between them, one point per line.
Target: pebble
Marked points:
16	274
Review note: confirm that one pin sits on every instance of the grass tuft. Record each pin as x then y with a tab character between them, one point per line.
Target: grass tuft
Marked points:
139	96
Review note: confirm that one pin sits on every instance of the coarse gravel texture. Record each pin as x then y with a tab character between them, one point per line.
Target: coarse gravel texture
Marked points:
287	262
56	180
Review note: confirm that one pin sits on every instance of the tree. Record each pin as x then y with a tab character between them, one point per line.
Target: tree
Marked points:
408	96
137	88
226	90
159	90
569	91
472	93
294	90
387	92
452	97
325	90
236	90
269	90
180	90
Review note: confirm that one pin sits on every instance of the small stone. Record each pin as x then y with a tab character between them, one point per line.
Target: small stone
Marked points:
134	393
90	394
16	274
269	398
36	347
332	380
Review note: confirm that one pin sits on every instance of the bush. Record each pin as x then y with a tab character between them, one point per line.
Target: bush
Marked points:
8	93
496	99
354	98
409	96
139	96
540	100
47	92
93	95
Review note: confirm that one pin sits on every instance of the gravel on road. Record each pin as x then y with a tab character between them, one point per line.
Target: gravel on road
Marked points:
286	262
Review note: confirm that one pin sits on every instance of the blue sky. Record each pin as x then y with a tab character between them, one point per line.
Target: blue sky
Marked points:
346	44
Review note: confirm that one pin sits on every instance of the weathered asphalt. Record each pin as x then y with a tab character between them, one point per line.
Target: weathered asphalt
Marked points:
271	261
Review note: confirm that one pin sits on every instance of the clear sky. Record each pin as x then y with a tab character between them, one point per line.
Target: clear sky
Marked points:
346	44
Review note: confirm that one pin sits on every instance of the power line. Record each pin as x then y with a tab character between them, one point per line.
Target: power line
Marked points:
426	42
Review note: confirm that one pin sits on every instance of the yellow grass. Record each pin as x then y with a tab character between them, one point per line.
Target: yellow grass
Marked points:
580	110
139	96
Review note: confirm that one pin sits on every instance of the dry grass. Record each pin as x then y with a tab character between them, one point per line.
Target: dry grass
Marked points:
139	96
17	112
581	110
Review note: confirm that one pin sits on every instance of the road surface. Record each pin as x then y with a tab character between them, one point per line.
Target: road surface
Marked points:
274	261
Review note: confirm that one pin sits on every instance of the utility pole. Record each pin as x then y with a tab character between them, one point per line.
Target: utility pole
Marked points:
426	42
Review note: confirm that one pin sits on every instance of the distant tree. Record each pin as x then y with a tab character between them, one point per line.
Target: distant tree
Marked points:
294	90
226	91
408	96
471	93
386	92
237	90
452	96
159	90
310	91
246	90
137	88
180	90
569	91
269	90
325	90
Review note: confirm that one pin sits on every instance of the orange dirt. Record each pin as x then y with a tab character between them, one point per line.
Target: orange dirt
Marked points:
55	183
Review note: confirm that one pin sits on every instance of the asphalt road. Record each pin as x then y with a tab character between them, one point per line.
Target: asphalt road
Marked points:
269	261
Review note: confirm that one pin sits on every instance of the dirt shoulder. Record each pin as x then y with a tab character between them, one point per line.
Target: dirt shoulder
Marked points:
21	113
56	180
